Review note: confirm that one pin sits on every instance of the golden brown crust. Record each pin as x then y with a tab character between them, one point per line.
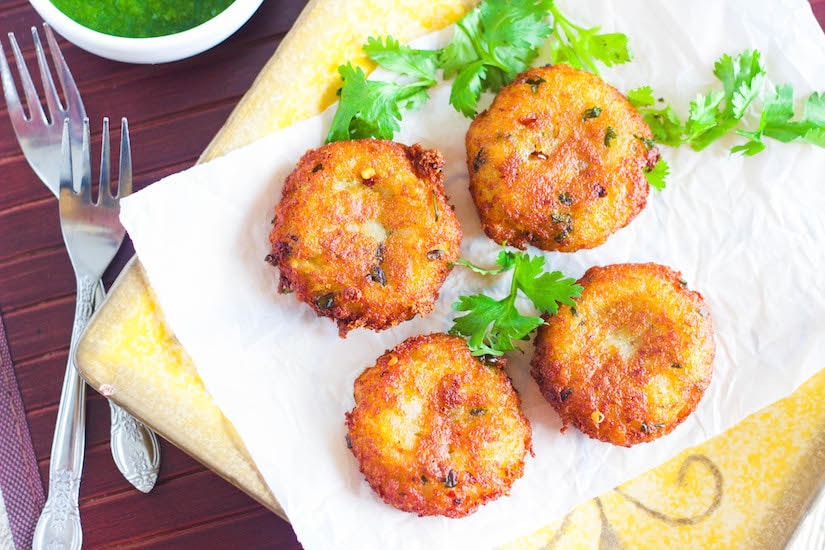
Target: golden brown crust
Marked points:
364	233
547	170
632	360
436	431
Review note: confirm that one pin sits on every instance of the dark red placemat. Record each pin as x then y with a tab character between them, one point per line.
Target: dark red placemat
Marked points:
19	477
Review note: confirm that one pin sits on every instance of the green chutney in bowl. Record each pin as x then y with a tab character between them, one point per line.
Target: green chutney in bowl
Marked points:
141	18
146	31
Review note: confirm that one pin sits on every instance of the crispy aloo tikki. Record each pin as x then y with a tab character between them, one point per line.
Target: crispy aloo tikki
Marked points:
558	161
364	234
436	430
631	360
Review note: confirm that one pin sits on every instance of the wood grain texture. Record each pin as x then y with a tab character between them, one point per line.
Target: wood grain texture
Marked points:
174	111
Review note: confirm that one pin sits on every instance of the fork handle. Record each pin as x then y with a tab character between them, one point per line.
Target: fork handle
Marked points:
59	523
135	449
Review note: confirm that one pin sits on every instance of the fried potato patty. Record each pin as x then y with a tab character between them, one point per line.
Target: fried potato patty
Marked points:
632	359
436	430
364	234
558	161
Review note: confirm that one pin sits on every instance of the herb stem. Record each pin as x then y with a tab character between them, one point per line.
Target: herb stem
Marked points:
511	296
563	21
563	25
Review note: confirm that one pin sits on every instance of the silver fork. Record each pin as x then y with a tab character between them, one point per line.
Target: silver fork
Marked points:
92	233
134	447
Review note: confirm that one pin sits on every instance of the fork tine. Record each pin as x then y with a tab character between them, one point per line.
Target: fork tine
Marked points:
49	90
85	191
104	192
74	104
66	179
32	100
10	90
124	180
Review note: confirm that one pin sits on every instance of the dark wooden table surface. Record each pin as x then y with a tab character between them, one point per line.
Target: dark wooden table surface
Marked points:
174	110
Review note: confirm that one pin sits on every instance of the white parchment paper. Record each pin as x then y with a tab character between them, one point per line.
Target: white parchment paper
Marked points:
746	232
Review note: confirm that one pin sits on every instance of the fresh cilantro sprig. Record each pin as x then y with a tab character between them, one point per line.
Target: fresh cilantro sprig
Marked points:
718	112
711	115
492	326
372	108
583	47
664	122
657	176
775	122
714	114
492	44
398	58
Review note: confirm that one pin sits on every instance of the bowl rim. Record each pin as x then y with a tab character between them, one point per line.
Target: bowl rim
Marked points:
159	49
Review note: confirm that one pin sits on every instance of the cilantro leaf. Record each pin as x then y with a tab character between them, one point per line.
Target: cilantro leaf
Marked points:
641	97
349	107
815	109
461	50
717	113
713	114
703	114
815	136
401	59
545	289
583	47
611	48
775	122
742	79
656	177
467	88
777	110
492	326
751	147
812	126
492	44
372	108
665	124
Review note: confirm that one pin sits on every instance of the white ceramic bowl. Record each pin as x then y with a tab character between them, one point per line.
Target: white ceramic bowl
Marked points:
159	49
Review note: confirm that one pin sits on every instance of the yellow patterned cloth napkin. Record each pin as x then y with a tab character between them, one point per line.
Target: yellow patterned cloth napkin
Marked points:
300	402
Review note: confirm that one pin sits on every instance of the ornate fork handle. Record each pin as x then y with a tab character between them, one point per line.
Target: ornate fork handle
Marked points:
59	524
135	447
